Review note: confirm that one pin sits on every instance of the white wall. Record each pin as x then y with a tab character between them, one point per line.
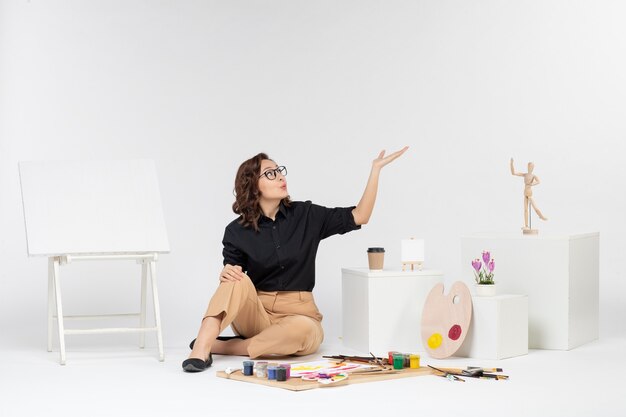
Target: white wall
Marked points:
322	87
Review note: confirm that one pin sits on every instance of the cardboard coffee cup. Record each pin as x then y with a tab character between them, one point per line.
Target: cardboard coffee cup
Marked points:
376	257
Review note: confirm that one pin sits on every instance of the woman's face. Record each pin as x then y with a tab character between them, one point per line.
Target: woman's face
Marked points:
275	189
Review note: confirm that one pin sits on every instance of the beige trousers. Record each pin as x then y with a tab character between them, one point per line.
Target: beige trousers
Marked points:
276	322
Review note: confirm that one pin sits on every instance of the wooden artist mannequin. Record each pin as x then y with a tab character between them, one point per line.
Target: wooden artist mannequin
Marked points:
236	297
530	180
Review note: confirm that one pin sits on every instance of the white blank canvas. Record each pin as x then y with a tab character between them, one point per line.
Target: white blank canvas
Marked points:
412	250
92	207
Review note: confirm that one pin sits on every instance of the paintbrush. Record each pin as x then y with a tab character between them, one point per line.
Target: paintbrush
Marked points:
366	372
485	369
363	359
371	360
447	374
473	373
494	376
463	372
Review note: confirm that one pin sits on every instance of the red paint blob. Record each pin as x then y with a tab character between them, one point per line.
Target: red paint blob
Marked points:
455	332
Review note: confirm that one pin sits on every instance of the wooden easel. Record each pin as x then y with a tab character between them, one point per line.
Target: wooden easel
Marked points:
95	211
418	263
412	253
55	305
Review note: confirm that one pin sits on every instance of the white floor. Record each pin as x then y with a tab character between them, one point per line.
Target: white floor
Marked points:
122	381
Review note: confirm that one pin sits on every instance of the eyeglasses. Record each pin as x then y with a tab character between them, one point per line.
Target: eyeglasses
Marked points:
270	174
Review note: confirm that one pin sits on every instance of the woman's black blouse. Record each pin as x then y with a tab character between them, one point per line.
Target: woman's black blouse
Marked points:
281	255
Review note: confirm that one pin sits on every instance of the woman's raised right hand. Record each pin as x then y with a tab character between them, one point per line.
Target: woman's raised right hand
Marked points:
231	273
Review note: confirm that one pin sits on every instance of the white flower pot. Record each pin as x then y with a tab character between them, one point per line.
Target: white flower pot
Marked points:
485	290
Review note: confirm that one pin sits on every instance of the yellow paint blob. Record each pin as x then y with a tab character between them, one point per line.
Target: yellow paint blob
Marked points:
434	341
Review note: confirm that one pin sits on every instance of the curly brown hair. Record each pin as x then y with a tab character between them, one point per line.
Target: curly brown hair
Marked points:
247	193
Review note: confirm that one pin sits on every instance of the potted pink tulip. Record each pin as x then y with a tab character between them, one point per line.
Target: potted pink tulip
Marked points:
483	274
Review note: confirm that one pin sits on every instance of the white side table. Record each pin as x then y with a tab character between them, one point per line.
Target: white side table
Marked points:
382	310
559	274
499	328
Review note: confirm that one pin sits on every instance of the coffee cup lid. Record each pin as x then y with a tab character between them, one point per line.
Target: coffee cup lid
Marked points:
375	249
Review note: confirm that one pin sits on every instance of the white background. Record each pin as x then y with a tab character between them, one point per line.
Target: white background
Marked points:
322	86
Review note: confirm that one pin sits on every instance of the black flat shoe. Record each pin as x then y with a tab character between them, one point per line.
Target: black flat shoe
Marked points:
197	365
222	338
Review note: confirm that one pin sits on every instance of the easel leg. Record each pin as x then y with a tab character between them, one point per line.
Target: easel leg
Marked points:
57	296
50	301
157	310
142	312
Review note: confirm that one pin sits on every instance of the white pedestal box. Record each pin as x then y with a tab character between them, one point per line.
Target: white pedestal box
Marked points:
382	310
499	328
558	273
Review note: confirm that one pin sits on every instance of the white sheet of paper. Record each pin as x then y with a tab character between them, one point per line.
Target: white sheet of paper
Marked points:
325	366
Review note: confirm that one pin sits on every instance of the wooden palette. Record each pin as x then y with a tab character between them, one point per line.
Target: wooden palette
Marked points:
297	384
446	319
